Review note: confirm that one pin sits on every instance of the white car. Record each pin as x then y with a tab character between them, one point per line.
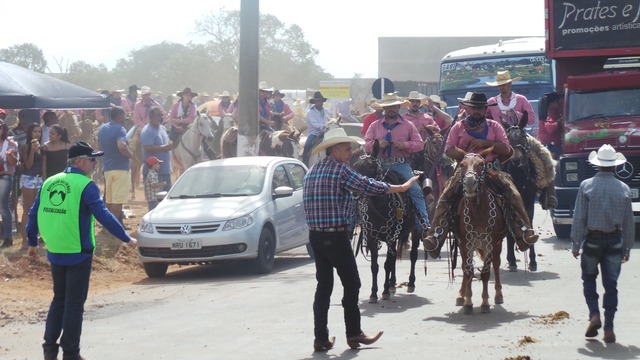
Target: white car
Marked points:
237	208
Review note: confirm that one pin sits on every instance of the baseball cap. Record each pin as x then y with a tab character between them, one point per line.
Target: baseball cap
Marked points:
152	160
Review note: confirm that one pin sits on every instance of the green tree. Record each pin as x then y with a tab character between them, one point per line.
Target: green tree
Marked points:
88	76
26	55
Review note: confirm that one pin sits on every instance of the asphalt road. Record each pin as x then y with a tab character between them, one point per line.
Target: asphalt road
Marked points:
226	312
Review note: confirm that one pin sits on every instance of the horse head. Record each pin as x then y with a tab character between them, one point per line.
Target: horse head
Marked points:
471	168
518	139
205	122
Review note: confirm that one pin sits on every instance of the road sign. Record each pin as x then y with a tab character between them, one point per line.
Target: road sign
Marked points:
382	86
335	89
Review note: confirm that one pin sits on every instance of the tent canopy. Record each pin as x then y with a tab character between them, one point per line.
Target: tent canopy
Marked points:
22	88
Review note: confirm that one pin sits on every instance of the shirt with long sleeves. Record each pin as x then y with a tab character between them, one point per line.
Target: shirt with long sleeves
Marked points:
405	132
550	131
141	112
460	137
186	117
281	107
603	204
90	203
327	192
368	120
517	103
421	121
316	120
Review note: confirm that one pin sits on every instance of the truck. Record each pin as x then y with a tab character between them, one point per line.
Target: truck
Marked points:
594	46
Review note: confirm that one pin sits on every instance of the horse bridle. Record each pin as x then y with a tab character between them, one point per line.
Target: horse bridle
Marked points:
198	132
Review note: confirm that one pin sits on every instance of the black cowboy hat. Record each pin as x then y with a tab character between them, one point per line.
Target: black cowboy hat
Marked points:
187	90
317	96
477	99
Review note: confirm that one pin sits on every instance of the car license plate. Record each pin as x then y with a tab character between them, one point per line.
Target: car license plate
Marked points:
635	193
190	244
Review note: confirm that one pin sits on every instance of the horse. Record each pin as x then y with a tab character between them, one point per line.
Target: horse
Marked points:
229	143
386	218
279	143
525	174
189	150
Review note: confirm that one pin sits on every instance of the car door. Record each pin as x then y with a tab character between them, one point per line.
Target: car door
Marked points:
285	208
296	174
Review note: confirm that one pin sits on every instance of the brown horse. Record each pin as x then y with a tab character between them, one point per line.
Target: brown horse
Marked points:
279	143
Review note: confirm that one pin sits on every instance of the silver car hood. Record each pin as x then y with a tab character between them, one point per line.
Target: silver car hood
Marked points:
203	210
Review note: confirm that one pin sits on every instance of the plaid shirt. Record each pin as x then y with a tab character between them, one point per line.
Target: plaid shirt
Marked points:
149	190
327	192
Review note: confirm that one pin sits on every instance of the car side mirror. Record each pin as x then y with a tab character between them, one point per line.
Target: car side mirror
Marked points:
161	195
282	191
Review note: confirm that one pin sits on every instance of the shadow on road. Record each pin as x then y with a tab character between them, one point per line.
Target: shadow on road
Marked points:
477	321
598	349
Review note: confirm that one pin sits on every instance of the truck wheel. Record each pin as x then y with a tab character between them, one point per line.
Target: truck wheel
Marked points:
266	253
155	270
562	231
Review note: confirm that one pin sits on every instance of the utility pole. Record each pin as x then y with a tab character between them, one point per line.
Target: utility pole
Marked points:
248	82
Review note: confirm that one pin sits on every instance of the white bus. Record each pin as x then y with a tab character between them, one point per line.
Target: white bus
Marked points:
469	69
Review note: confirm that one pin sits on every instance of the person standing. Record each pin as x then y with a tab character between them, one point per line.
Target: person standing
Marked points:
112	138
55	151
63	213
605	237
155	142
49	118
317	116
151	183
31	177
510	106
550	129
328	206
9	156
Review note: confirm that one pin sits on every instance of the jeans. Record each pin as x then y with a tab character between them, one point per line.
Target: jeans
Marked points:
414	192
6	181
308	144
333	250
70	288
606	252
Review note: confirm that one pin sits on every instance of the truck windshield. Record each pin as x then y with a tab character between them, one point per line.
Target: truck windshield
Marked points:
603	104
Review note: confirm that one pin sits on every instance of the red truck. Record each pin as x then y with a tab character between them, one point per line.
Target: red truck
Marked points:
594	45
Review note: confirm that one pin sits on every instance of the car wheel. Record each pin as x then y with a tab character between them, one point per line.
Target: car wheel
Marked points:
310	251
266	252
155	270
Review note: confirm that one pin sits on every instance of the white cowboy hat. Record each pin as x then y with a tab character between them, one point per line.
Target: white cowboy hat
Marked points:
373	103
333	137
607	156
502	78
145	90
436	99
264	87
414	95
392	99
225	93
115	89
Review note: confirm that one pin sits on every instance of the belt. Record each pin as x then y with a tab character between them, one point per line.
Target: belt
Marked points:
595	234
329	229
393	160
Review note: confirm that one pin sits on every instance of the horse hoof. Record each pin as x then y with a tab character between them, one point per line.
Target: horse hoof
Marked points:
373	300
411	289
468	309
485	309
392	289
459	301
499	299
386	296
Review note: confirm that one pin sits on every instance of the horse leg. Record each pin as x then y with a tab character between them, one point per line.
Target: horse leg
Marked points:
485	274
413	256
373	298
389	285
498	299
467	278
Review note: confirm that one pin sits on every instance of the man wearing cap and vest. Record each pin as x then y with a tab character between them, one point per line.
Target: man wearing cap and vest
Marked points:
604	229
64	213
398	139
474	134
328	206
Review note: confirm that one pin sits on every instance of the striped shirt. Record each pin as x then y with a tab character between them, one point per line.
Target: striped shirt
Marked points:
327	192
603	204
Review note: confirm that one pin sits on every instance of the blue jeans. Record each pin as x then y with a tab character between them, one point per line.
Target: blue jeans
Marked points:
414	192
606	252
70	288
6	181
333	250
308	144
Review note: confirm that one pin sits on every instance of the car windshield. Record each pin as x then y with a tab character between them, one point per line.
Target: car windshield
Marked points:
219	181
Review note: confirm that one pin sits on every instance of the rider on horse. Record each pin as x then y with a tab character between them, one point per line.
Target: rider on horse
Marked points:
476	134
182	114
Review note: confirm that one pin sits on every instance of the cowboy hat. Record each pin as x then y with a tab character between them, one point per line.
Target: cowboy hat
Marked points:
115	89
333	137
187	90
502	78
277	92
414	95
145	90
264	87
466	97
224	93
607	156
317	96
477	100
373	103
436	99
392	99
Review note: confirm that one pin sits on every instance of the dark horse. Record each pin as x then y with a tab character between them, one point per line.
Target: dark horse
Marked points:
523	172
387	218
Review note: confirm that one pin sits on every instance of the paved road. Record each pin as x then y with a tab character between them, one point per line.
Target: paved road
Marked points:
226	312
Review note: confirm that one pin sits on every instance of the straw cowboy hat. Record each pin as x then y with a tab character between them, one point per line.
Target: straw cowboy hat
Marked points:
145	90
392	99
317	96
225	93
502	78
373	103
264	87
115	89
476	100
436	99
333	137
607	156
187	90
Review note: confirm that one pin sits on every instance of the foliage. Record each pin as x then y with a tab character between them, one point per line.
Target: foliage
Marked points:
87	75
26	55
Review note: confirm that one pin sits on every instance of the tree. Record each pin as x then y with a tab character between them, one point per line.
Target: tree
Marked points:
88	76
26	55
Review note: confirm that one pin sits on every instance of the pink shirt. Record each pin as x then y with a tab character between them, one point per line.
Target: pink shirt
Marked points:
141	112
420	120
518	103
550	131
368	120
404	132
186	118
459	137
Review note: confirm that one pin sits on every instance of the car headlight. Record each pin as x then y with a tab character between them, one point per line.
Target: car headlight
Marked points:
238	223
145	227
571	166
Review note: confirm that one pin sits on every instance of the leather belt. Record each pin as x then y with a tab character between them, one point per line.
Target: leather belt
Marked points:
393	160
329	229
595	234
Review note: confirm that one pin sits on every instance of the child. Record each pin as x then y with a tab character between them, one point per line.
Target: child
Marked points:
151	184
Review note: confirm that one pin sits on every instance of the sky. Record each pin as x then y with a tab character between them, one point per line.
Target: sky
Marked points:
345	32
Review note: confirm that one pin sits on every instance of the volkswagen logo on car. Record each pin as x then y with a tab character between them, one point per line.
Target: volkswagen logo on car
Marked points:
185	229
